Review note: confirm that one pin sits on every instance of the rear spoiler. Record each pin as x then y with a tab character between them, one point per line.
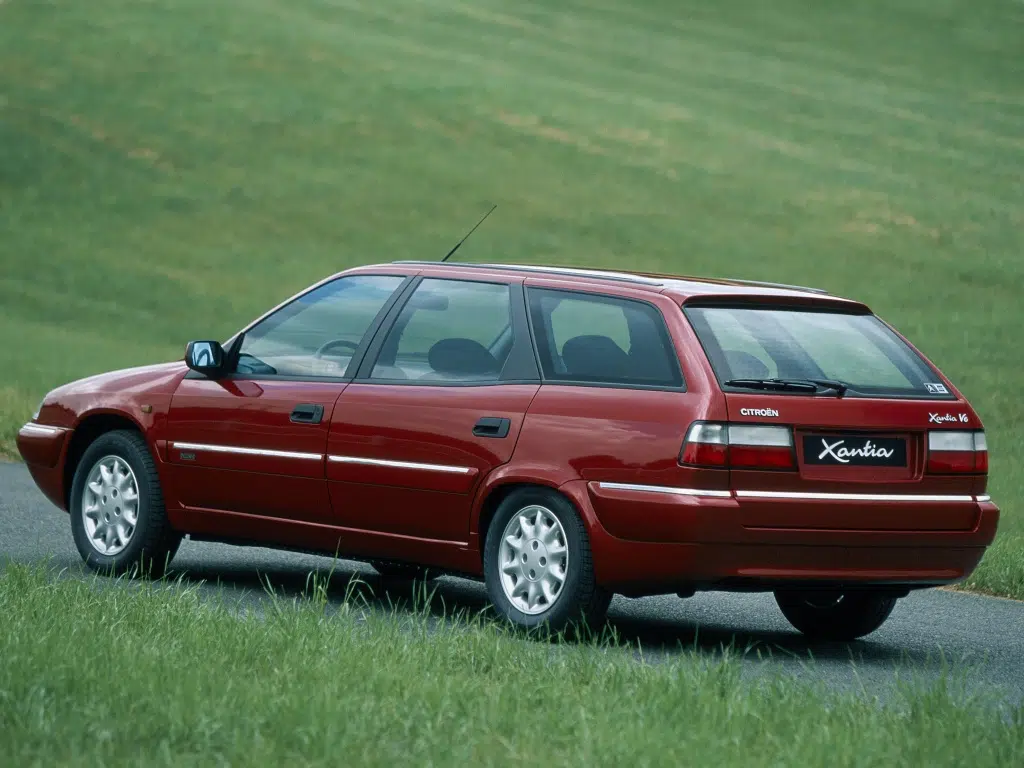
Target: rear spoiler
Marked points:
775	301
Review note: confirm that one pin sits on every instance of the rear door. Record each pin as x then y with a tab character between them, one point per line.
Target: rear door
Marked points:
437	404
871	458
254	441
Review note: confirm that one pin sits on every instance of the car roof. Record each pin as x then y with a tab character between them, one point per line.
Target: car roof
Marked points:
678	287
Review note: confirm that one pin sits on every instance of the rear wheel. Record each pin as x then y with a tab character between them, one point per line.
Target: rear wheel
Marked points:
835	615
118	519
537	564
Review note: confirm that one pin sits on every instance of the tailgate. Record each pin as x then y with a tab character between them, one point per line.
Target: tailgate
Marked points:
867	433
860	464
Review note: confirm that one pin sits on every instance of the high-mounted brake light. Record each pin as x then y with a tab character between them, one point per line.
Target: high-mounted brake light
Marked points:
740	446
955	452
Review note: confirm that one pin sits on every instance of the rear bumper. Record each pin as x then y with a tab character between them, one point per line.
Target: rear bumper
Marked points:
43	448
647	540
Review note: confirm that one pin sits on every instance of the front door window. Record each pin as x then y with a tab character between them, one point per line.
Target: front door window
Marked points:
317	334
449	331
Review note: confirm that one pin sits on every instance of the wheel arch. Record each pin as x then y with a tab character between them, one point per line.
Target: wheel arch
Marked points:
497	489
88	429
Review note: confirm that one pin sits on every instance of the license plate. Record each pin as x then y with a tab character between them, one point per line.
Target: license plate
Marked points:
855	451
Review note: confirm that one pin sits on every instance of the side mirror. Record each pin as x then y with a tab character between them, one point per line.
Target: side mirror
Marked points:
205	356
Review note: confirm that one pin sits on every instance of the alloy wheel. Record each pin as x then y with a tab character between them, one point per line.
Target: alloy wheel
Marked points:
534	559
110	505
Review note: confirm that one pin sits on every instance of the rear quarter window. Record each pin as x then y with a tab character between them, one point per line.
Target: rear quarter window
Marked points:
858	349
597	339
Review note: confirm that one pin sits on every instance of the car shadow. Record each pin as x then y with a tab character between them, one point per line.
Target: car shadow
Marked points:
346	582
659	638
449	599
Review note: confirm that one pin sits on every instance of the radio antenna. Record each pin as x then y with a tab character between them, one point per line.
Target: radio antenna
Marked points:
466	236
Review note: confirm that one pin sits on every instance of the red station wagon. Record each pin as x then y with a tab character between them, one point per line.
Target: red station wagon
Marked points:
564	434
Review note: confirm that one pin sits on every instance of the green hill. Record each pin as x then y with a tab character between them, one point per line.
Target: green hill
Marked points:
170	169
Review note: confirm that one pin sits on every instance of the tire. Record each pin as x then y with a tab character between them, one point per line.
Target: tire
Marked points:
578	602
410	571
835	615
146	547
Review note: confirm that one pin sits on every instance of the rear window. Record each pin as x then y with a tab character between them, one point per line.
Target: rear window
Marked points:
858	349
591	338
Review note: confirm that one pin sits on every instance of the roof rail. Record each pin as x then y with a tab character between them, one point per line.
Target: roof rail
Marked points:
737	281
644	278
785	286
622	277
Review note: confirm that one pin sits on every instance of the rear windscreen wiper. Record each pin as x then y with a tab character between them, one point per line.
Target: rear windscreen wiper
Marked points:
839	386
811	386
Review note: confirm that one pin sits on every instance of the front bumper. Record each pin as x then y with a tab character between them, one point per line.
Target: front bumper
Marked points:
43	448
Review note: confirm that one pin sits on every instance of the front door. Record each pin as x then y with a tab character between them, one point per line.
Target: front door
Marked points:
437	404
254	446
253	442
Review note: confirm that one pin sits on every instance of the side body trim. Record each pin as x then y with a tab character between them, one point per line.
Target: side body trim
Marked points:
400	464
41	429
793	495
664	489
808	496
248	451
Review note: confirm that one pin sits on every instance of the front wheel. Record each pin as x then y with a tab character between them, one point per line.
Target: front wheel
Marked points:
537	564
834	615
118	519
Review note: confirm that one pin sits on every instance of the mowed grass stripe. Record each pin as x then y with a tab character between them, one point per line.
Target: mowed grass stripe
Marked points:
768	141
717	92
971	42
755	51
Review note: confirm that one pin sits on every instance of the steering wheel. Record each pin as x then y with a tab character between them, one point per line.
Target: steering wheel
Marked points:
322	349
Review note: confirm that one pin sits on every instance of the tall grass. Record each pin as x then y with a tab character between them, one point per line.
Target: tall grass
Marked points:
148	675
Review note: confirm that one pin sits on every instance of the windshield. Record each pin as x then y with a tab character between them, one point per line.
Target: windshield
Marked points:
858	350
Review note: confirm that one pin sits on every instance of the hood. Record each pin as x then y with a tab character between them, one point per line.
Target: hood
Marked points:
161	378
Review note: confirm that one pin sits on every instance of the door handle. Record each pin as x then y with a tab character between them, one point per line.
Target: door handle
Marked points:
307	413
492	426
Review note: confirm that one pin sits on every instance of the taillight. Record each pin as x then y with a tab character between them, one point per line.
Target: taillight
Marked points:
957	452
760	447
706	445
741	446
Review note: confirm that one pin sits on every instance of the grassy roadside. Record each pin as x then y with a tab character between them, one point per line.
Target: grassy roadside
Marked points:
170	169
150	676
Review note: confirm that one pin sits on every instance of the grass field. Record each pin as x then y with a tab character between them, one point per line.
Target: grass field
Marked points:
170	169
93	675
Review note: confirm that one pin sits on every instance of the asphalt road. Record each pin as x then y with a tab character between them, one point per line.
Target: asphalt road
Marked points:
980	640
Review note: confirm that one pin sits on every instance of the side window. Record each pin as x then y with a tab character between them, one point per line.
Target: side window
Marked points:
572	318
318	333
449	330
602	340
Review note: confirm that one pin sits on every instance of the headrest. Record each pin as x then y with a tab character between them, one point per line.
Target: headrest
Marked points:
594	357
462	357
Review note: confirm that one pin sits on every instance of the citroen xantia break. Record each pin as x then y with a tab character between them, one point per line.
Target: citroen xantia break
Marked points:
562	434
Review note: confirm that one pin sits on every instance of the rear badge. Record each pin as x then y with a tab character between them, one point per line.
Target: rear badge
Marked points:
187	456
935	418
856	451
936	389
768	412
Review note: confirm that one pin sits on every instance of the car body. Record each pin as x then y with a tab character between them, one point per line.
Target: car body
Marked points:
404	404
